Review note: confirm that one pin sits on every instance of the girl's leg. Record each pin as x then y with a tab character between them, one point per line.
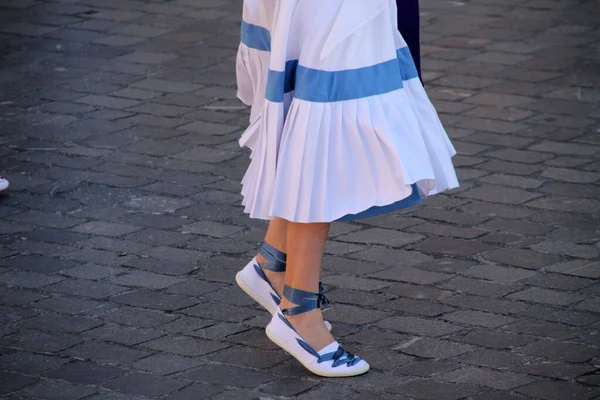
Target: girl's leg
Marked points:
305	247
277	237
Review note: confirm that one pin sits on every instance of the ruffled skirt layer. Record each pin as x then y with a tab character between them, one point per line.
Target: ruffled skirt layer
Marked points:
340	122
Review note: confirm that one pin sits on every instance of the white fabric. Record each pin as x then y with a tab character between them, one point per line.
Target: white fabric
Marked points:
319	161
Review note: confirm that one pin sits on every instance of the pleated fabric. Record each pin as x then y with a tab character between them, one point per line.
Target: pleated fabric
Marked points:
341	126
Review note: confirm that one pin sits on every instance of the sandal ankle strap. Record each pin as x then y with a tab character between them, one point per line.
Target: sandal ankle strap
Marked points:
305	301
276	260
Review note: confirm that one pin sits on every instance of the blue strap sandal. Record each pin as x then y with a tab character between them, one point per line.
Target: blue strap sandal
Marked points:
252	279
332	360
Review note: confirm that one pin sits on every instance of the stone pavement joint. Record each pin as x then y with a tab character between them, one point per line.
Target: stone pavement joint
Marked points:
122	230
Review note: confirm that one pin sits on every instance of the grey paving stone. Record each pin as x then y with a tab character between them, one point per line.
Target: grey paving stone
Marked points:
566	204
433	390
376	337
146	384
495	359
560	282
105	228
30	280
451	246
155	300
195	391
557	370
419	326
560	351
155	237
501	194
478	318
122	334
479	287
392	257
40	341
433	348
166	364
60	323
522	258
498	273
592	305
158	85
248	337
157	204
494	379
427	368
222	330
552	390
181	255
418	307
185	324
85	288
417	291
250	357
231	295
381	236
102	257
111	395
184	345
446	265
162	266
547	296
145	280
12	381
72	305
589	380
139	317
411	275
11	315
30	363
213	229
219	312
47	220
289	387
564	316
85	373
222	245
496	340
493	305
356	283
36	263
106	353
544	329
57	390
19	297
194	287
582	268
34	247
228	375
567	249
355	315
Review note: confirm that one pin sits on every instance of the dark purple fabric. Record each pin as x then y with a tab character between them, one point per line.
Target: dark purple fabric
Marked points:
408	25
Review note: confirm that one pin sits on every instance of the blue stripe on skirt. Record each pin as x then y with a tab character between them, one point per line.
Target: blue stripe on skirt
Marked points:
283	82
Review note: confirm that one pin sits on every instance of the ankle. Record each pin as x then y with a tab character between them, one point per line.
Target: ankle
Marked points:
276	279
311	327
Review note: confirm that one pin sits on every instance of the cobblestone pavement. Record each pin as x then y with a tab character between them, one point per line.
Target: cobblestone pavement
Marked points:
122	230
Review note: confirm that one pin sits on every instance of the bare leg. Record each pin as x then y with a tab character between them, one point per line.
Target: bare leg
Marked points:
277	237
305	246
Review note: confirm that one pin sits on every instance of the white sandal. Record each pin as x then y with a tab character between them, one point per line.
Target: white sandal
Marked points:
332	361
252	280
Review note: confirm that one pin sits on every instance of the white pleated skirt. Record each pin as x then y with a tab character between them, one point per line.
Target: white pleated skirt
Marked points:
340	124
